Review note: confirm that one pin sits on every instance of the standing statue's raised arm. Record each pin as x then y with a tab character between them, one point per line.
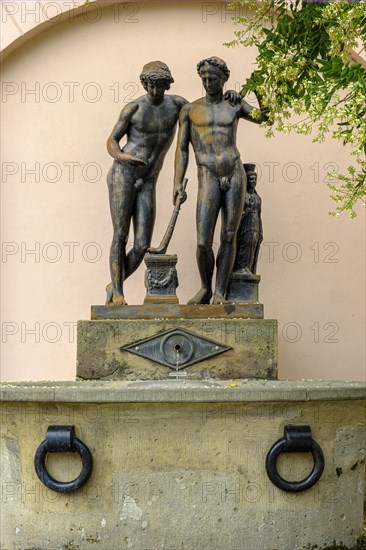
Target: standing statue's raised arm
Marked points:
246	109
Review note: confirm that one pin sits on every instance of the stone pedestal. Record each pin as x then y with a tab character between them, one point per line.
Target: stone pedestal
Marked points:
152	349
243	287
161	278
156	340
181	464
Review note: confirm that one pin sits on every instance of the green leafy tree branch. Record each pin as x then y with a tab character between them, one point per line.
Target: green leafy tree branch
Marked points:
307	78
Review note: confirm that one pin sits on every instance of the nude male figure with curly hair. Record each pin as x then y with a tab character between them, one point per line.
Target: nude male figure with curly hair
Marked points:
149	123
210	124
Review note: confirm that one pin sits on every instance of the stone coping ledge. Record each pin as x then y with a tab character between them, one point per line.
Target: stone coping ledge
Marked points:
181	391
156	311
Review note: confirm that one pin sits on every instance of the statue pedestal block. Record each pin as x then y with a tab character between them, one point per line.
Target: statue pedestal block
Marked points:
194	348
161	279
243	287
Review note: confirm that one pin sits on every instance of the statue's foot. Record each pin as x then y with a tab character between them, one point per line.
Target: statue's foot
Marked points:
119	301
203	296
113	300
219	299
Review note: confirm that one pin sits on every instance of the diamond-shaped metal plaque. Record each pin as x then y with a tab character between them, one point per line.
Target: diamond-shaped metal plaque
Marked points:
176	348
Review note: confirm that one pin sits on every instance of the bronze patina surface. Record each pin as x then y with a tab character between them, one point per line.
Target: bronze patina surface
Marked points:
161	278
210	125
244	281
250	232
149	123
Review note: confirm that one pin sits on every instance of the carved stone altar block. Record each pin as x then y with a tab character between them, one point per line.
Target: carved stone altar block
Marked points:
161	279
243	287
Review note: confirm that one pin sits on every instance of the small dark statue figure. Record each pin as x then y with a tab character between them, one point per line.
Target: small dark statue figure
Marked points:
250	232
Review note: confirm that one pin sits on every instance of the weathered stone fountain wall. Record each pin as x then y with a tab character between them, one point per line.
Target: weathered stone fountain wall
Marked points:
181	464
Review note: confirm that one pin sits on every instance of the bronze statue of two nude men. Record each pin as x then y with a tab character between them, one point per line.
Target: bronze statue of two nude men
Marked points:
210	125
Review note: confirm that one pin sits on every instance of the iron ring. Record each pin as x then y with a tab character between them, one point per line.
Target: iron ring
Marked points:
281	446
73	445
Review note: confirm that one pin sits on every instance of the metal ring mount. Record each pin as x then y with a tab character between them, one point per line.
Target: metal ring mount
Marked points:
297	439
61	439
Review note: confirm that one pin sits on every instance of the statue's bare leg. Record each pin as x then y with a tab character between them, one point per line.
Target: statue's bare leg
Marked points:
121	202
109	291
143	225
231	213
208	207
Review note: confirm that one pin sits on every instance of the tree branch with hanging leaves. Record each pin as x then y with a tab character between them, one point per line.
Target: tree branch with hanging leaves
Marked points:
305	71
